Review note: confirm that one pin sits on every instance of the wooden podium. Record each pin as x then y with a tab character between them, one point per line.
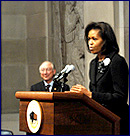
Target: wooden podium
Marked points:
68	113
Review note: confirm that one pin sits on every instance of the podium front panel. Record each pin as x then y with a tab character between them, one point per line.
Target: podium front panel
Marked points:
47	124
75	118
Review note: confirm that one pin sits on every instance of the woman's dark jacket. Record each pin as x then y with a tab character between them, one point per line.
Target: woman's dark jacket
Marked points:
111	88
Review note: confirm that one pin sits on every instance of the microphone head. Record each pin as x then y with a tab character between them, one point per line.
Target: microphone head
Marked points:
70	68
64	70
60	73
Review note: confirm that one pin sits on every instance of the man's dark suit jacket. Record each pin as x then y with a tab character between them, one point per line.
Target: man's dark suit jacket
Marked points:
56	87
41	87
111	88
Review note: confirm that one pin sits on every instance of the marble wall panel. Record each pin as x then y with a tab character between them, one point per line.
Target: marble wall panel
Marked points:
13	7
99	11
126	44
9	102
22	7
50	49
13	27
35	7
33	75
50	18
126	29
36	50
126	13
13	51
14	76
36	25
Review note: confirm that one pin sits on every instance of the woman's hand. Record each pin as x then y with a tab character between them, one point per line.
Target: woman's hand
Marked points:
81	89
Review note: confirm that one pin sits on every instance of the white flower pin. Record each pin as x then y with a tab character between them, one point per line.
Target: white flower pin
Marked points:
106	61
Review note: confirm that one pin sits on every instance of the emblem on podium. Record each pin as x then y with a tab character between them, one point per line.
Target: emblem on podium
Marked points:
34	116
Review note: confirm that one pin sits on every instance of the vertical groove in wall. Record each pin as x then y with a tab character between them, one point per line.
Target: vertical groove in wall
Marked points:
121	27
46	24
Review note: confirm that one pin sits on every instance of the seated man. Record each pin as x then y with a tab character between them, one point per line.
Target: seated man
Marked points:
47	71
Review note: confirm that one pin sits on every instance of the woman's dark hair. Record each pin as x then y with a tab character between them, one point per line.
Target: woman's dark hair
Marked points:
107	34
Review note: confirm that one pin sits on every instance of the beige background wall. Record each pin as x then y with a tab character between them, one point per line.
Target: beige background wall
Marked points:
34	31
23	48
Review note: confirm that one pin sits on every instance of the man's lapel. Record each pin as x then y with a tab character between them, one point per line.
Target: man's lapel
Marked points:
43	86
56	87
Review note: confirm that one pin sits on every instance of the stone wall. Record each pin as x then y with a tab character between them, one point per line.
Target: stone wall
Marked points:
13	54
68	44
23	48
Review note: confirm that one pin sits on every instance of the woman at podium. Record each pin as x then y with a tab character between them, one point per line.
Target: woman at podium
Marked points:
108	72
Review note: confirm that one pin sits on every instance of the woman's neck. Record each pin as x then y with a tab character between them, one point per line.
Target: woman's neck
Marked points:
101	57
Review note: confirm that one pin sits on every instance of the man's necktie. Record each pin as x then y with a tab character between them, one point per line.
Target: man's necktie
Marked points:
47	88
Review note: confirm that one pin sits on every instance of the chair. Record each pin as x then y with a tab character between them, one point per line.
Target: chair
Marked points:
6	132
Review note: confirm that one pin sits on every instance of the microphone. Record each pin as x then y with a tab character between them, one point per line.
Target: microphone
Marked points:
66	67
69	69
59	74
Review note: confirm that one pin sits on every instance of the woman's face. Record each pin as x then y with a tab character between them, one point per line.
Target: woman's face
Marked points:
95	41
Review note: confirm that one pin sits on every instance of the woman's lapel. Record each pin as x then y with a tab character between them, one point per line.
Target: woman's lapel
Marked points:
102	75
93	71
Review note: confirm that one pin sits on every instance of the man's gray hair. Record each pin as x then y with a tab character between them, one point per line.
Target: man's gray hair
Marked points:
53	66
